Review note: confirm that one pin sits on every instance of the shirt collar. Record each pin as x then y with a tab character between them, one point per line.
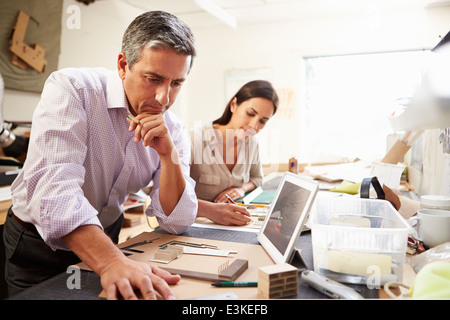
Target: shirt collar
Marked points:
115	93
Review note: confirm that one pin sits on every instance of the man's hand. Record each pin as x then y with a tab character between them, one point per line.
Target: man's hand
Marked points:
152	129
153	132
120	276
121	280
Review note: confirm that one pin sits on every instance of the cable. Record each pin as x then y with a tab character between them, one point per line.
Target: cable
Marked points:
388	291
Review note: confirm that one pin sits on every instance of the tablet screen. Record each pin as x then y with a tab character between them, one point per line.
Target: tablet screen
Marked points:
286	213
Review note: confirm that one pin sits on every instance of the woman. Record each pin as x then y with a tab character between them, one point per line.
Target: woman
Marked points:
225	155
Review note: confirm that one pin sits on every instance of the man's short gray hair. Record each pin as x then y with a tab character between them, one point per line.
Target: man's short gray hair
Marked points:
157	29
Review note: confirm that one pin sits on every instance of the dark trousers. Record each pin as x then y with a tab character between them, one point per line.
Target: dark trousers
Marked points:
30	261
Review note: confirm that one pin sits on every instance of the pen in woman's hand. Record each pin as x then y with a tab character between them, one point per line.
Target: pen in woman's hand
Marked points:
229	198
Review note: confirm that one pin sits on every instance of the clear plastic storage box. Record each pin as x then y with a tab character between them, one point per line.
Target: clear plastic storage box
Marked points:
358	240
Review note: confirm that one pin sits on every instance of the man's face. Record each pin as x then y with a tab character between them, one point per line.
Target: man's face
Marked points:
154	81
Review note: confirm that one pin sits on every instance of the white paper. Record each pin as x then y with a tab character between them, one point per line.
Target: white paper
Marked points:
5	193
208	252
252	195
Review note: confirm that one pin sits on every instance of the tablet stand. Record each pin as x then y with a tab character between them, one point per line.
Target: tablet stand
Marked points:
297	261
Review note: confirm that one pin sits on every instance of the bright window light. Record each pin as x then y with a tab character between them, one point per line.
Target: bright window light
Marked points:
348	99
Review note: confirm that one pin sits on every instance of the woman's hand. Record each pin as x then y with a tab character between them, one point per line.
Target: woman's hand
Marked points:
227	214
233	193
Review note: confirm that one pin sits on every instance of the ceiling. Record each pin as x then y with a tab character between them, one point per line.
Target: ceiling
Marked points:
265	11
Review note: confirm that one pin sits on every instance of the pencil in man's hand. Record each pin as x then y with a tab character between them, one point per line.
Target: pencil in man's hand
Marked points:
133	119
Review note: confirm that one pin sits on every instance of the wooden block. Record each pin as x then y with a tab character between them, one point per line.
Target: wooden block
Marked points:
131	220
277	281
279	285
234	270
276	294
277	271
287	293
164	256
268	295
168	254
176	250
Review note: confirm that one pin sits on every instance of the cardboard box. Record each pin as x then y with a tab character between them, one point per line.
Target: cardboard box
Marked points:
396	153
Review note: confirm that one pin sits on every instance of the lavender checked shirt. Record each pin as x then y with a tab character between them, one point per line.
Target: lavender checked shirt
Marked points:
82	161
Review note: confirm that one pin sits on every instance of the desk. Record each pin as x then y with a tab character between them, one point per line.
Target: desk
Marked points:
56	288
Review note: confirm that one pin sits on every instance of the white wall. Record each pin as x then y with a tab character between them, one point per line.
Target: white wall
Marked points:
277	46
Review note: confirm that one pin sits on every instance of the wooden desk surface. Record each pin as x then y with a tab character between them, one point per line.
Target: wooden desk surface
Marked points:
4	206
2	217
189	288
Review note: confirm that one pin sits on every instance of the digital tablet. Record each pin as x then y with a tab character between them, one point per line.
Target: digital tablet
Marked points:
286	217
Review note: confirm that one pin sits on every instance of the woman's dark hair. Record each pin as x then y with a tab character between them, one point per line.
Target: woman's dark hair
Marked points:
252	89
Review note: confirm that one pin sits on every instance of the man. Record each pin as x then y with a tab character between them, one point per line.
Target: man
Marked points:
85	156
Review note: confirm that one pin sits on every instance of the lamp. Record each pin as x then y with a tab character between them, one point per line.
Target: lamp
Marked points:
429	108
217	11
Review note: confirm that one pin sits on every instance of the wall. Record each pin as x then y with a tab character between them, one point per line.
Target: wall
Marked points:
277	46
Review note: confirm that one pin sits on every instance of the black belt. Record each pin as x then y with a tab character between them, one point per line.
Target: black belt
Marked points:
26	225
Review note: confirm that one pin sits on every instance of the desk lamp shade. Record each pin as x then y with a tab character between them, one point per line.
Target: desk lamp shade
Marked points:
429	107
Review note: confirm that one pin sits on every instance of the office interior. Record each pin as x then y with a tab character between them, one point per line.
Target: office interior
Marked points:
280	41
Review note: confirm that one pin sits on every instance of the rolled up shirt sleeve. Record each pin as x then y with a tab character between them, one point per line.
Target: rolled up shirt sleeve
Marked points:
182	216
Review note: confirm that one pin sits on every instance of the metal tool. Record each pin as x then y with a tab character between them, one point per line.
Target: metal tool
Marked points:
137	244
329	287
188	244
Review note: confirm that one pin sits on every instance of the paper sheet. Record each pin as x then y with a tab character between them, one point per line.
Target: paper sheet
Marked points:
352	171
5	193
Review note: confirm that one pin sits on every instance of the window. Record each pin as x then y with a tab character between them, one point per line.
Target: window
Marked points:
348	100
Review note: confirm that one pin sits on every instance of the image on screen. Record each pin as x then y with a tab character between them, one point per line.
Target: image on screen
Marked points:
285	215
